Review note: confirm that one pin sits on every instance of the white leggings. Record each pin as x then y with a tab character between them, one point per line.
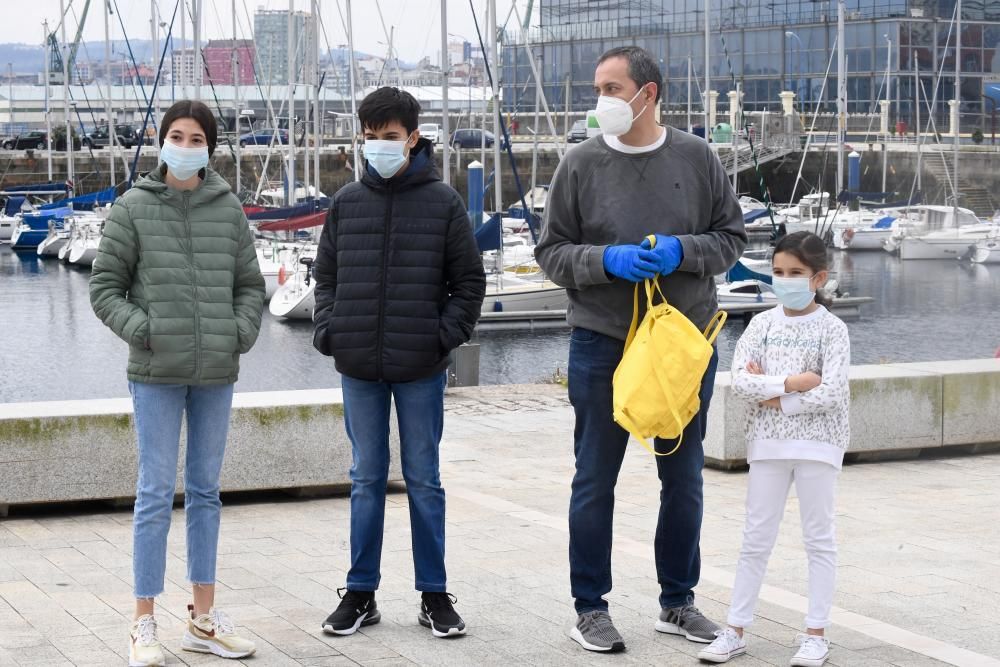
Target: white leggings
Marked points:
767	491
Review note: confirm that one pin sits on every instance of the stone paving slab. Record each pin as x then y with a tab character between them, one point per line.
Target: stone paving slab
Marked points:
919	566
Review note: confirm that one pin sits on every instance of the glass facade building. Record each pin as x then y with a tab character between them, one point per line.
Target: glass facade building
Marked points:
767	46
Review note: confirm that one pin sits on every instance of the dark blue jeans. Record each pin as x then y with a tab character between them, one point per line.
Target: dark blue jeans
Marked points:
599	445
420	411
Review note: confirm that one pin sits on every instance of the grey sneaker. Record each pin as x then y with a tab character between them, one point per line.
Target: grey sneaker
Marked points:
594	631
688	622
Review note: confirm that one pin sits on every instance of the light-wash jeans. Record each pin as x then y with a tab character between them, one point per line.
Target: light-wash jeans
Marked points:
767	490
158	411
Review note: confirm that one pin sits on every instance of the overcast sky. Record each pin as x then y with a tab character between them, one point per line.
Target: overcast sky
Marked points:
417	22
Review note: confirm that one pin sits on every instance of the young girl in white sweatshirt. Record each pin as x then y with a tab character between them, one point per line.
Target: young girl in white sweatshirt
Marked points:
791	365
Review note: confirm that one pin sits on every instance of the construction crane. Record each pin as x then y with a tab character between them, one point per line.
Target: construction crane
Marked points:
56	68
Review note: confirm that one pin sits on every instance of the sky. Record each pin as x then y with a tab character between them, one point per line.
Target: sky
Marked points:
417	22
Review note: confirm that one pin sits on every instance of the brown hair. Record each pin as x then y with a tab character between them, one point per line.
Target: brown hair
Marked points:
196	111
811	251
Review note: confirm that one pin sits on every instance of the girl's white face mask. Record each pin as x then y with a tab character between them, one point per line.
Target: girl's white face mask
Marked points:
614	114
183	162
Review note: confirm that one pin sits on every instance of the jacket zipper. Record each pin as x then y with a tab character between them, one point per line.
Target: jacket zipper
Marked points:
194	288
385	287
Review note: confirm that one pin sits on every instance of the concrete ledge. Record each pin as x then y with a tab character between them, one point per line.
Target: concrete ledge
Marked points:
897	411
60	451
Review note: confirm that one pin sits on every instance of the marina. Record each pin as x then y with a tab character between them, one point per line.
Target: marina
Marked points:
55	348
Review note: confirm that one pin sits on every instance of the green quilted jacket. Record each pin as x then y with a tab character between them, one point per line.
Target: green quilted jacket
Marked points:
176	277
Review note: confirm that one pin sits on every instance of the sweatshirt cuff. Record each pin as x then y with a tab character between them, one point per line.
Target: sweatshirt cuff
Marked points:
791	404
596	275
774	385
691	261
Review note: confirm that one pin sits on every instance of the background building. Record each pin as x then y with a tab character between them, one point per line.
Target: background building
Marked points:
271	41
773	46
219	56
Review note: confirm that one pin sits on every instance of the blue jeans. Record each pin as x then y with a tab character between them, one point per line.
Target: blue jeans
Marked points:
158	410
420	411
599	445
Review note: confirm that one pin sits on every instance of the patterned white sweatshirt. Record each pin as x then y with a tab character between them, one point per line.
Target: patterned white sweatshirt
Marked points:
812	425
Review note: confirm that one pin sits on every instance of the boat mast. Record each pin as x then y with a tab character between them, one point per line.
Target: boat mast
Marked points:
69	129
841	96
48	111
445	72
236	103
112	135
958	100
290	200
354	97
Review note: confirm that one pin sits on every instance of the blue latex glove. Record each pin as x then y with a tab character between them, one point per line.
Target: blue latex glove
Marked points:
668	251
630	262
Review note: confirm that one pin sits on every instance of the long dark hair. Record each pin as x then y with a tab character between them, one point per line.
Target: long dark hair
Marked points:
811	251
199	113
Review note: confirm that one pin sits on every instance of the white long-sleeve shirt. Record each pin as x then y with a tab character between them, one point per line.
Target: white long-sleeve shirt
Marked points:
812	425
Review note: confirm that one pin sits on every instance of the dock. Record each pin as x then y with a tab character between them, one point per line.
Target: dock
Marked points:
846	308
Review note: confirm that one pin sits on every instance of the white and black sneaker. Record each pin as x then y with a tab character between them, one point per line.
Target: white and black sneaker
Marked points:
438	613
356	608
594	631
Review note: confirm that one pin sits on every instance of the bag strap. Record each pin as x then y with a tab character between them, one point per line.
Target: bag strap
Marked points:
715	326
635	318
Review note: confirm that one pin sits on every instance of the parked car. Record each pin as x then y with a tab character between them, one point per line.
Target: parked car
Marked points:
578	132
28	140
125	136
263	137
431	132
473	138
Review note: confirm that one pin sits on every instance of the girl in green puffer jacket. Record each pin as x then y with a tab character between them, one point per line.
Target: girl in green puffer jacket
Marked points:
176	278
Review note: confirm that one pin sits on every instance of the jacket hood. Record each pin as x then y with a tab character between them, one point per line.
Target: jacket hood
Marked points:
410	178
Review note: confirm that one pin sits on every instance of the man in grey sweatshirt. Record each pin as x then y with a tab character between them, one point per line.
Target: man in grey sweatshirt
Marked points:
610	192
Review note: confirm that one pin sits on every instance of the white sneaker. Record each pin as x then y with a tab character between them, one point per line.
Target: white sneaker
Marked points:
813	651
727	645
144	648
215	632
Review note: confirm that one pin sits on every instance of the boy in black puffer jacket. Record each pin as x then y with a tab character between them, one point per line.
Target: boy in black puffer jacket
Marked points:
399	284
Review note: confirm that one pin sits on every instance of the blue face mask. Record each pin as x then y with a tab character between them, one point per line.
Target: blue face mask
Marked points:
793	293
182	162
386	157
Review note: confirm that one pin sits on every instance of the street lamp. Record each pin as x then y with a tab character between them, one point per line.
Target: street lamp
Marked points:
798	82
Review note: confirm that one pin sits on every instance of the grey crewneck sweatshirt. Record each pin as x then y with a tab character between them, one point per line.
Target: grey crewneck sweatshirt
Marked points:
601	197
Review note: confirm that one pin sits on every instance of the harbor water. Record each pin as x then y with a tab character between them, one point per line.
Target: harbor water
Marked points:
52	347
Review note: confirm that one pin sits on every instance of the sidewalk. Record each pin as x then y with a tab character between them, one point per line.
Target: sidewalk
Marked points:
919	566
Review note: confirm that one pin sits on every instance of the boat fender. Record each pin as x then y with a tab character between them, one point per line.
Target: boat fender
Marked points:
282	276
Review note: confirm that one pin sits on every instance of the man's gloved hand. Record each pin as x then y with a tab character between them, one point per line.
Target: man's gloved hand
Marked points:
668	251
630	262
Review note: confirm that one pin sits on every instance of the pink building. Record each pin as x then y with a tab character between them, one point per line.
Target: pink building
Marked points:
219	56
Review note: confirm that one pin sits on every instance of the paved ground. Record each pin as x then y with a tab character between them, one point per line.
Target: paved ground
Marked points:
919	563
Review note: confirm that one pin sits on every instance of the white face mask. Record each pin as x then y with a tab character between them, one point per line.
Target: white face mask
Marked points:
385	156
614	114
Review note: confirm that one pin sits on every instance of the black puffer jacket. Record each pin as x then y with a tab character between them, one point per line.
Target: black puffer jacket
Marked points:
399	279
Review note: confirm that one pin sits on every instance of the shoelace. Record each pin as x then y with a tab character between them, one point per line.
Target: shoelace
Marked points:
146	629
812	643
437	601
223	623
603	625
355	598
727	637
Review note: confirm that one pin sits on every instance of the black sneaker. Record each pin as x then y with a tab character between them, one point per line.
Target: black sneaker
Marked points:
356	608
438	614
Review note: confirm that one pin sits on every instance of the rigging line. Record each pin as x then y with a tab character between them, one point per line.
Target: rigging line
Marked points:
131	54
503	128
744	127
156	83
812	128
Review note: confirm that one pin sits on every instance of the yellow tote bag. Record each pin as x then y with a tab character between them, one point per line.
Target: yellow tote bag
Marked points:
657	382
